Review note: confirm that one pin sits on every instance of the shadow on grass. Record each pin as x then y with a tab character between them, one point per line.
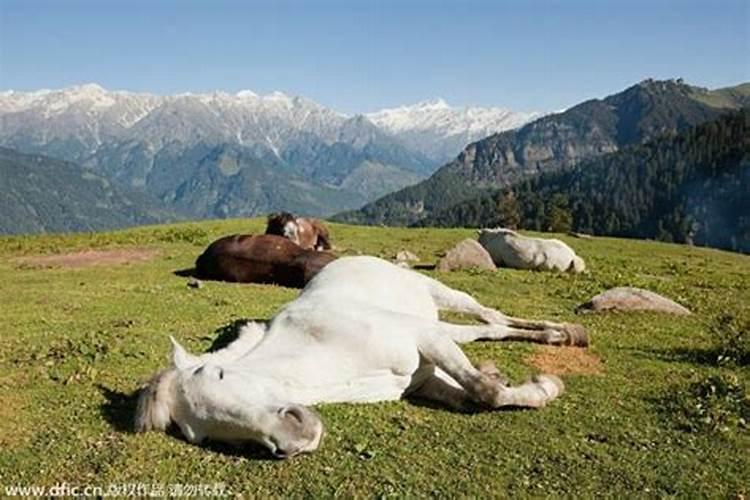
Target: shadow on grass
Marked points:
119	408
470	408
729	345
704	356
712	404
249	450
185	273
424	267
228	333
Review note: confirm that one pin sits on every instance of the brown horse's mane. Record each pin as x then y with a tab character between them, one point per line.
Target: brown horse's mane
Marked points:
324	237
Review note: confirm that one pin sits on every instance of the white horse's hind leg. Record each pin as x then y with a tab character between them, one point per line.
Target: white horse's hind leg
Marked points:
483	388
546	332
448	299
571	333
462	334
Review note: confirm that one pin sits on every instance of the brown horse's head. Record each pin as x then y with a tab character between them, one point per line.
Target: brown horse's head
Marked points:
307	233
283	224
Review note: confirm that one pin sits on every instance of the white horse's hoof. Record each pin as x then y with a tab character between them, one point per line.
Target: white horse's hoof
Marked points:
576	335
551	385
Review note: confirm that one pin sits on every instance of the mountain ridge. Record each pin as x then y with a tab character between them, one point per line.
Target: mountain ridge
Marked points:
440	131
587	130
150	143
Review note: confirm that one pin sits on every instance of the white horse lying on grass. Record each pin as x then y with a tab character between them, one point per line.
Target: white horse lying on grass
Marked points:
510	249
362	330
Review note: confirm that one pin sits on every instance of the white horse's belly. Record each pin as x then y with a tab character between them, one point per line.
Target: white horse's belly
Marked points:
341	341
384	386
358	354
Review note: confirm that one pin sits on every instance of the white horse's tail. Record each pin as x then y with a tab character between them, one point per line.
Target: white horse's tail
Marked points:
155	402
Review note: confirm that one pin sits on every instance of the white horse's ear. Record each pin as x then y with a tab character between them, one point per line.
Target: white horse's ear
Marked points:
181	359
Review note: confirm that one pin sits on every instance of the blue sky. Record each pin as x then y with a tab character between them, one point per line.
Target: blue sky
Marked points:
358	55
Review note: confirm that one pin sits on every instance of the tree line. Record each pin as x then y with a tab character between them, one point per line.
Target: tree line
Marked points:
691	187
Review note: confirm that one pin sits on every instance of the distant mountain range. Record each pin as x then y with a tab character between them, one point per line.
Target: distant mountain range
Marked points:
223	155
42	194
85	158
553	142
440	131
693	186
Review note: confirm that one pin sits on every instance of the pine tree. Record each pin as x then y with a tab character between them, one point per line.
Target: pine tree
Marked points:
559	219
508	210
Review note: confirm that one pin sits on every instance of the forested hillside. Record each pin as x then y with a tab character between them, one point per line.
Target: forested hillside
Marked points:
687	187
42	194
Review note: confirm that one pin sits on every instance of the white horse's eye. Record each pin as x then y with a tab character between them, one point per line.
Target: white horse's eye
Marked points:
219	372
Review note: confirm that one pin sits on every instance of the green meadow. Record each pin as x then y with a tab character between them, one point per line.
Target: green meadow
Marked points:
656	406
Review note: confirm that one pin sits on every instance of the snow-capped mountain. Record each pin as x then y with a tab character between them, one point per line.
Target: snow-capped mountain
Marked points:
93	115
441	131
221	154
83	116
163	144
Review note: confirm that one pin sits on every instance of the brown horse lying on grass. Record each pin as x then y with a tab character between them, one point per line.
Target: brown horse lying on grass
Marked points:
265	258
307	233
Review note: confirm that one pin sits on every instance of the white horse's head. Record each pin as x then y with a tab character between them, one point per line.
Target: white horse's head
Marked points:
207	400
577	265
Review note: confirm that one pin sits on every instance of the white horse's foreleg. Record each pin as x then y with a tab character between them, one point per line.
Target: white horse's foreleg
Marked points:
547	332
483	388
442	389
439	387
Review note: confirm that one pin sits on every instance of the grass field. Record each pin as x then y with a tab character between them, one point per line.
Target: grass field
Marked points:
657	406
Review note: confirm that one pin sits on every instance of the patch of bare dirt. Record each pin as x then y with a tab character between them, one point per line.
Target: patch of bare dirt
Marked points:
87	258
566	360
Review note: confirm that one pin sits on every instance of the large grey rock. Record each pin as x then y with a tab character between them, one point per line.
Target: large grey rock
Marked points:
467	254
632	299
